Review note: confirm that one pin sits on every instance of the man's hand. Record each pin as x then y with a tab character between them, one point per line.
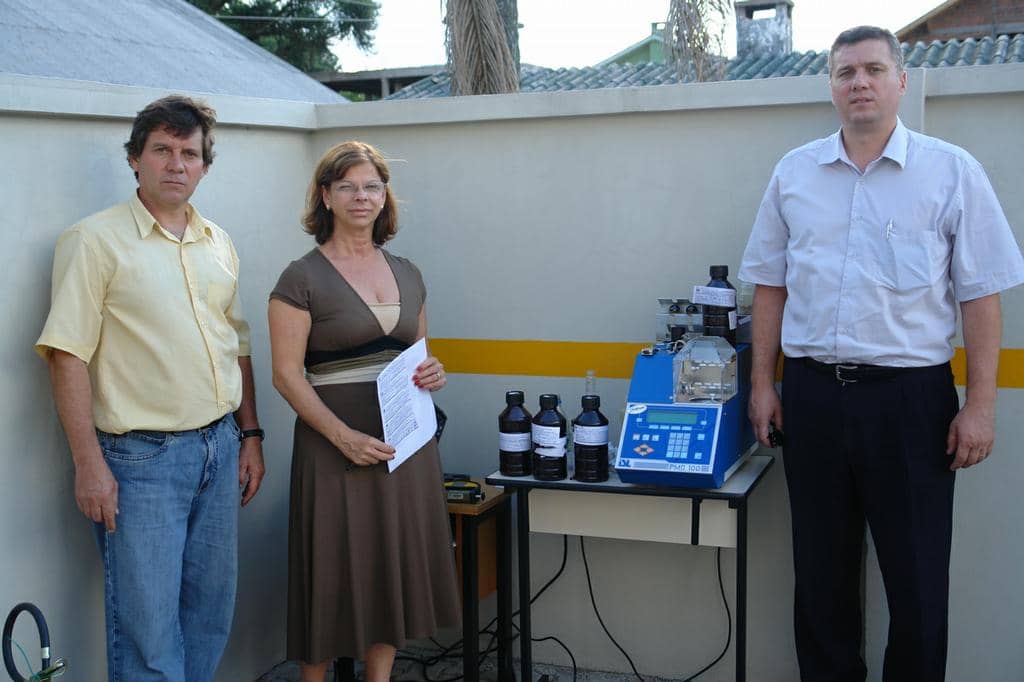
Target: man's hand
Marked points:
971	435
764	409
250	468
96	491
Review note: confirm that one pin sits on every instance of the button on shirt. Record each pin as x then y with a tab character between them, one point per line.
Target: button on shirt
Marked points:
157	320
875	262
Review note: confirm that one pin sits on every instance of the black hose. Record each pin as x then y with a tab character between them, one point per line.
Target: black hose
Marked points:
44	638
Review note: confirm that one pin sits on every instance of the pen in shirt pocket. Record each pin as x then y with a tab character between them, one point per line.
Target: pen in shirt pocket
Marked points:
890	229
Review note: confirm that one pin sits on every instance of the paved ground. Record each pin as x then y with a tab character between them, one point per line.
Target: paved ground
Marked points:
451	670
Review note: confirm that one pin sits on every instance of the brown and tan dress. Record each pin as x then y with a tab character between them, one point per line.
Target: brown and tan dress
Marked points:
369	552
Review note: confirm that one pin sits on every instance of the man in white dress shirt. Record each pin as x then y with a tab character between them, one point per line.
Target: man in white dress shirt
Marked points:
863	247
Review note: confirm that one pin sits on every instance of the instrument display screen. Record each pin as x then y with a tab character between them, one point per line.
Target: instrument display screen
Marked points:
671	417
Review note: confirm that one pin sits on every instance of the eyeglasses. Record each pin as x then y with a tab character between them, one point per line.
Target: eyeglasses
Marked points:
372	189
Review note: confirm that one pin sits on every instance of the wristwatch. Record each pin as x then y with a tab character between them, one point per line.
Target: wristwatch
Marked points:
252	433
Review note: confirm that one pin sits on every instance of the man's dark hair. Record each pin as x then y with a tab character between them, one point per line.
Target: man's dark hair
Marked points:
857	34
180	116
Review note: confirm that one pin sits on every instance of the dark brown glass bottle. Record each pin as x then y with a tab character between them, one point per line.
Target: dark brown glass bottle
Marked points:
721	320
548	435
515	444
590	442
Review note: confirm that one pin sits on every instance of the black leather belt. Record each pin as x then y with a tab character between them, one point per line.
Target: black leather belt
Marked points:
849	373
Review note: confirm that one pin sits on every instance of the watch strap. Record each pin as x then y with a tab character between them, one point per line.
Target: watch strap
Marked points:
252	433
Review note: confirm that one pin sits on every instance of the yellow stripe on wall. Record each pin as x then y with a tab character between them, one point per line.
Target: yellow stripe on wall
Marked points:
611	360
536	358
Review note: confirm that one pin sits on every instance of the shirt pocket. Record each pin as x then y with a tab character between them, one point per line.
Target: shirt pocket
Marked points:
903	259
219	286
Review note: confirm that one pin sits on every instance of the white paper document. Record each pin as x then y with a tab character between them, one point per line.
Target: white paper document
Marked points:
406	410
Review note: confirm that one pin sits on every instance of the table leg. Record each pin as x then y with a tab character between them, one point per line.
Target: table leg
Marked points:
741	591
345	670
695	520
523	547
470	600
504	558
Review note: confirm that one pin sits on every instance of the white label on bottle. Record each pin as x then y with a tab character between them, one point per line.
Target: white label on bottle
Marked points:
513	442
732	319
590	435
548	441
724	298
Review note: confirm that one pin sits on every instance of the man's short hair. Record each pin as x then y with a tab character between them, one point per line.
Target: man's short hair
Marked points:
180	116
858	34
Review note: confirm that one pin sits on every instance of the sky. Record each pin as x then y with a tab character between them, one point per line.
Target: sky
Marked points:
559	33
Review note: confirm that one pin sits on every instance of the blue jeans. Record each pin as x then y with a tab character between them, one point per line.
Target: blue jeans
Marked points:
170	568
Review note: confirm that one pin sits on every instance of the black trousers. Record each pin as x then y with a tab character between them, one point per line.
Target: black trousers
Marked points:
872	451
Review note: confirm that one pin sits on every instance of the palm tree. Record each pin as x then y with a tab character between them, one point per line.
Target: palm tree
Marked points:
695	34
481	37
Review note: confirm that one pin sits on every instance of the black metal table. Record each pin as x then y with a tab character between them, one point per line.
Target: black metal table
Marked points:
736	492
470	516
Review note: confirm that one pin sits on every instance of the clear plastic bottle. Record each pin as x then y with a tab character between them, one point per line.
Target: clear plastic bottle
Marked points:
515	444
590	442
548	433
721	320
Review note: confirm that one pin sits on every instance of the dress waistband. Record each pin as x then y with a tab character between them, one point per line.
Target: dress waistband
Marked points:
346	375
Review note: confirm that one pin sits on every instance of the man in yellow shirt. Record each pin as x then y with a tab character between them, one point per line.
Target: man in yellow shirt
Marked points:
149	361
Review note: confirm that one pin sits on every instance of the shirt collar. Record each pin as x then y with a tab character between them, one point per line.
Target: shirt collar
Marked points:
895	149
196	229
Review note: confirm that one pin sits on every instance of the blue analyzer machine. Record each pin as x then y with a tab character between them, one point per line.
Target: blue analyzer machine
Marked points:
682	445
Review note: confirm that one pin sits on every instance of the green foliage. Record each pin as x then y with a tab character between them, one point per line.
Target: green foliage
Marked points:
304	44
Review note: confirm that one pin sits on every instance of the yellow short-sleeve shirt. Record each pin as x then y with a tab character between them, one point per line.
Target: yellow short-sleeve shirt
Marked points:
158	321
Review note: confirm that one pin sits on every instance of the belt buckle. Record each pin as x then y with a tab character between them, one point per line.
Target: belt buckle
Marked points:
839	374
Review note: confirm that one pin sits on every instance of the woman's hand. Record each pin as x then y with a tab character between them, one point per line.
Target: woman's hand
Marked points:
430	375
363	450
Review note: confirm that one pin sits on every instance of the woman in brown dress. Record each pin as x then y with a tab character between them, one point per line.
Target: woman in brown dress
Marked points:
369	552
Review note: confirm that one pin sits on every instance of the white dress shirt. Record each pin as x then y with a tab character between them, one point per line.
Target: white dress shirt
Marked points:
875	262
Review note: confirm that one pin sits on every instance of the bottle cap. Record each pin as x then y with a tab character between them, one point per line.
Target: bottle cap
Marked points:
591	402
719	271
513	398
548	401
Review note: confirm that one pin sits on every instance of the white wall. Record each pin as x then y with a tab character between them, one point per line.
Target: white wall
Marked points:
551	216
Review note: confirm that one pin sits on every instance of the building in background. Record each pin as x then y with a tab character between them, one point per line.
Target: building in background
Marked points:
966	19
180	49
764	31
650	50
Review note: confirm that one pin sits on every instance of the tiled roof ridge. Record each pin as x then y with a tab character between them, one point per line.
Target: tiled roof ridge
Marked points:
1002	49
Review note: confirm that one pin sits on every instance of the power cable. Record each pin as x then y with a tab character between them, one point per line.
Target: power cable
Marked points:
31	670
290	20
446	652
728	615
593	602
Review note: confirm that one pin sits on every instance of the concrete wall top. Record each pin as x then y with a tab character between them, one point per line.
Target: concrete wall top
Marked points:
66	98
765	92
86	99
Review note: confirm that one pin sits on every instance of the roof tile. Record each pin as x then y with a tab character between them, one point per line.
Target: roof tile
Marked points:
970	52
